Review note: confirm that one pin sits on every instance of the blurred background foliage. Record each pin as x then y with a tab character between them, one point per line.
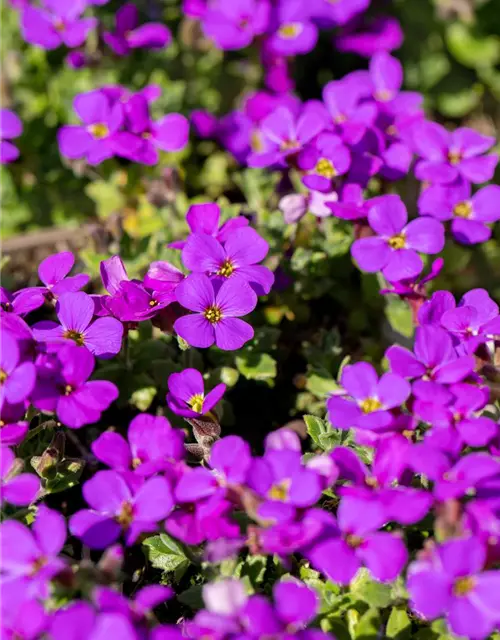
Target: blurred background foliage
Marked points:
323	308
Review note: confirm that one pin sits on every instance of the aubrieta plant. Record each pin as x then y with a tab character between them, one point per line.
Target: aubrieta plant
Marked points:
138	501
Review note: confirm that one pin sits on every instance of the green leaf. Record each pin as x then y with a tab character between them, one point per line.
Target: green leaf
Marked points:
376	594
321	386
165	553
142	398
398	624
472	50
107	197
67	476
368	625
400	316
192	597
256	366
459	103
255	568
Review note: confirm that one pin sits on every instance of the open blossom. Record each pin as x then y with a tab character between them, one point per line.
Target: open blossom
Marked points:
295	205
446	156
116	506
454	584
233	24
17	378
186	394
216	312
31	554
20	302
151	445
369	401
339	12
75	311
57	23
80	620
129	35
382	34
324	160
469	214
394	249
68	392
19	489
12	426
238	258
10	127
294	30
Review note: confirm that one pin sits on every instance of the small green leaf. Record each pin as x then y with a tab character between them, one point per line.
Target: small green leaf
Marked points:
400	316
376	594
321	386
142	398
315	427
165	553
398	624
256	366
472	50
368	625
192	597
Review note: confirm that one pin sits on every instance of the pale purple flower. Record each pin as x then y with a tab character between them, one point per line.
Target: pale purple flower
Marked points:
80	621
294	30
394	249
295	205
233	24
10	127
186	394
382	34
129	35
16	488
17	378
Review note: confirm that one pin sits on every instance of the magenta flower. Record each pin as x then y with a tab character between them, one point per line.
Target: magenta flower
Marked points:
445	156
238	258
453	583
13	427
134	303
21	302
470	214
75	312
294	31
16	488
339	12
99	138
204	218
357	542
186	394
151	445
324	160
216	318
10	127
394	249
139	608
17	378
53	273
413	288
233	24
295	205
162	277
80	620
22	616
382	34
32	554
434	358
284	134
68	392
371	399
129	35
58	23
116	506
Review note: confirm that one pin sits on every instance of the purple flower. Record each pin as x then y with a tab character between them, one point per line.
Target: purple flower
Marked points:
129	35
134	303
216	318
294	31
204	218
186	395
446	156
295	205
57	23
394	249
233	24
79	621
434	358
238	258
22	616
382	34
413	288
16	488
283	134
231	459
371	399
32	554
17	378
469	214
340	11
452	583
357	542
67	391
10	127
152	445
52	272
323	160
21	302
138	609
12	426
99	138
116	506
75	311
162	277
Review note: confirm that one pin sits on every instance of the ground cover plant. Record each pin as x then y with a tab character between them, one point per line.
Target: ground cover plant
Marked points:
250	343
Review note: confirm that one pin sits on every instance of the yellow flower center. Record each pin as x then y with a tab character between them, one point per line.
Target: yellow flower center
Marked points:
126	515
75	336
463	210
59	25
213	314
256	141
370	405
136	462
288	145
454	157
38	564
68	389
398	241
226	269
99	130
392	130
196	402
370	481
290	30
354	541
384	95
146	135
279	491
153	303
3	376
325	168
463	586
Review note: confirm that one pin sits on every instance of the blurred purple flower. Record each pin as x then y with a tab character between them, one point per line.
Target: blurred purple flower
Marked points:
128	35
294	32
17	378
19	489
382	34
233	24
324	160
10	127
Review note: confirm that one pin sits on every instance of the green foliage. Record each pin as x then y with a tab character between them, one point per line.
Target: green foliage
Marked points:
166	554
